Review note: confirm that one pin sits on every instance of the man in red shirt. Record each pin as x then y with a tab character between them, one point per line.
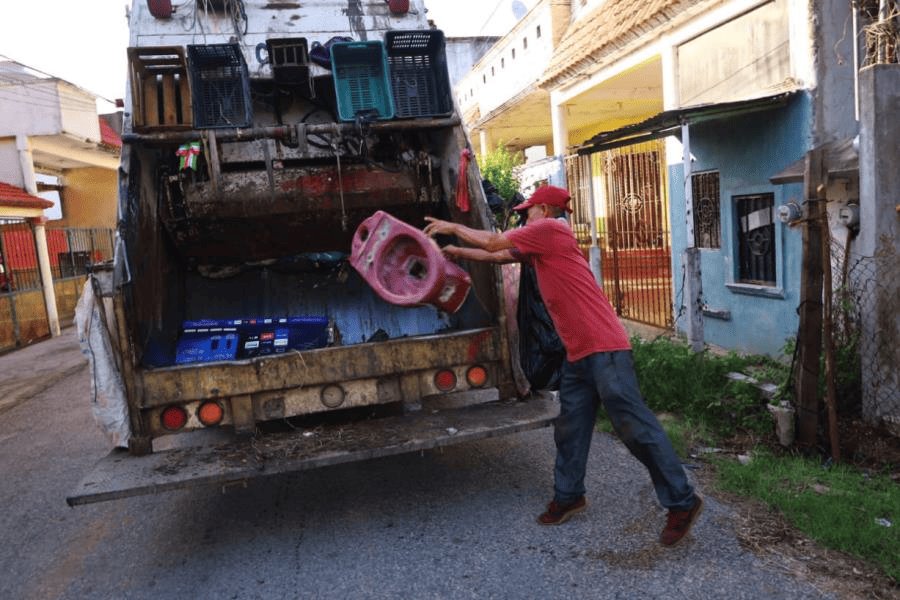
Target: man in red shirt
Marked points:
598	366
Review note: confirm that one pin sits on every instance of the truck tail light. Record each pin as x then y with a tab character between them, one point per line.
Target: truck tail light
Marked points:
174	418
445	380
210	413
476	376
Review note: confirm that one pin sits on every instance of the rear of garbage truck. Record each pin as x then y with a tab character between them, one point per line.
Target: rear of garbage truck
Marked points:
232	337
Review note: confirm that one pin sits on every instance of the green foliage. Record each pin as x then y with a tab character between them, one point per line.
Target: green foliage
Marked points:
840	507
497	167
694	385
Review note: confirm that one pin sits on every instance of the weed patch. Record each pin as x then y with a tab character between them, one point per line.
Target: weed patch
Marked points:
694	385
838	506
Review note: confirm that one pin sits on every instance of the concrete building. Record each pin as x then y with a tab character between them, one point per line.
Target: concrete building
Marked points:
58	164
681	128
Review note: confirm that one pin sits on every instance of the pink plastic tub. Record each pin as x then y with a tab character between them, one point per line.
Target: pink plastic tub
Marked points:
405	267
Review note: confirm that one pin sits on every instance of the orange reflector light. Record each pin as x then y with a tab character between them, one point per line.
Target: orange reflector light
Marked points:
210	413
476	376
174	418
445	380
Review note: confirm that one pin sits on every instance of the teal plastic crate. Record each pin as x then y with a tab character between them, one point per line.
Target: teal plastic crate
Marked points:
362	81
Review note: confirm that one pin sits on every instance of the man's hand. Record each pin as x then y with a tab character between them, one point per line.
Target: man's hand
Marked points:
439	227
452	251
483	240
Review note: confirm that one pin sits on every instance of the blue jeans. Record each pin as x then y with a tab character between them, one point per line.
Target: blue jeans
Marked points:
609	377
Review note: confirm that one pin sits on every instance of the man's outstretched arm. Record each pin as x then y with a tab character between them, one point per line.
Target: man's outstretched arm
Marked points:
486	240
479	255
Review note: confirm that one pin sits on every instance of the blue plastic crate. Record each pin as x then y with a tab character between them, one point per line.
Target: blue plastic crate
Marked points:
206	344
361	81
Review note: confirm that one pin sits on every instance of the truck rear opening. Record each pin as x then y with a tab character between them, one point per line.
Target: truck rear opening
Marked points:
247	167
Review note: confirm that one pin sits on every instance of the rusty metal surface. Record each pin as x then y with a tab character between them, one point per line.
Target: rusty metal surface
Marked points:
119	475
247	215
285	132
214	380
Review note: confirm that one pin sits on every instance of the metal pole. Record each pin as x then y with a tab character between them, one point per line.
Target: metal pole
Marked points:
594	252
690	260
827	334
854	8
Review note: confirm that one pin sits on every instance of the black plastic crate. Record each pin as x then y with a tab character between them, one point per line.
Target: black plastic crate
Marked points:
418	67
289	58
220	86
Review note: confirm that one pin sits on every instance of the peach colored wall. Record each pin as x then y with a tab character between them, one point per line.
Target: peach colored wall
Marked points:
89	198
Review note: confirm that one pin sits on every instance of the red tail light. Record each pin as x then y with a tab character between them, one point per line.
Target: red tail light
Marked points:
445	380
210	413
476	376
174	418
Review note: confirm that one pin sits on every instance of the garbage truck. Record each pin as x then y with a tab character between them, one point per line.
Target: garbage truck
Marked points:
230	337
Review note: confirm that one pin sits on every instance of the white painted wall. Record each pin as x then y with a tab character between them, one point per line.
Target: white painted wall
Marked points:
315	20
78	113
10	171
463	53
31	109
499	76
48	107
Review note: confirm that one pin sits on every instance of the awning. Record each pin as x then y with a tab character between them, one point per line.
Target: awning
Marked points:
670	121
841	160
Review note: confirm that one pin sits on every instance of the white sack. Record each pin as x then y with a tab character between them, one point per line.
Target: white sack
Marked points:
108	401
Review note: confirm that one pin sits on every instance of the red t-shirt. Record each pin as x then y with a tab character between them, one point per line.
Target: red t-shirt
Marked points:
584	318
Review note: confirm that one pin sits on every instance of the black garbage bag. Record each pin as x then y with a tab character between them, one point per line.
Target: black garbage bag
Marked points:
494	201
541	352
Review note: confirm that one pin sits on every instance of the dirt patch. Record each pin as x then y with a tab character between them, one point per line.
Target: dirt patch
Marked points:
767	534
868	447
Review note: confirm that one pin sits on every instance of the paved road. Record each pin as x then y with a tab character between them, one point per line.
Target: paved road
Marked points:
451	524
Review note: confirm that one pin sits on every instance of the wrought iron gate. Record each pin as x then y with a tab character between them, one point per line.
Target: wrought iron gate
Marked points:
632	227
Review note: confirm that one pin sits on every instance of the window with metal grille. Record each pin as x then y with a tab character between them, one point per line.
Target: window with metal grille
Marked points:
705	192
756	238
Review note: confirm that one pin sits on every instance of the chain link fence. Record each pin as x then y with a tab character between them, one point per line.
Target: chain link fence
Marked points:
23	314
865	313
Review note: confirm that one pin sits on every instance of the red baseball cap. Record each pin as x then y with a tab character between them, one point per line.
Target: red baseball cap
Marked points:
549	195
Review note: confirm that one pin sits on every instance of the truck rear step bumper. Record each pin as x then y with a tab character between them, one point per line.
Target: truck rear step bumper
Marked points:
120	475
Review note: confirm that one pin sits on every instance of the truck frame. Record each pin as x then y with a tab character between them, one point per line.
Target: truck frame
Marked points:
259	228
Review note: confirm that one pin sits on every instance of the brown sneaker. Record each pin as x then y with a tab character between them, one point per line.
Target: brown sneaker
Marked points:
679	523
557	514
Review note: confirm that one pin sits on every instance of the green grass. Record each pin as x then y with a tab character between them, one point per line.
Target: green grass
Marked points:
838	506
698	406
694	385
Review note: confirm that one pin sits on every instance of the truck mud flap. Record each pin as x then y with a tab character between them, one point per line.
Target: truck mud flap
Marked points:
120	475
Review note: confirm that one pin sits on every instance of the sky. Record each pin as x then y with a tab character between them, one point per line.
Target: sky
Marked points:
84	41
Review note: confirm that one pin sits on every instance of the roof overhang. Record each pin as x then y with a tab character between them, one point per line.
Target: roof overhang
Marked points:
670	121
521	121
67	151
841	162
16	203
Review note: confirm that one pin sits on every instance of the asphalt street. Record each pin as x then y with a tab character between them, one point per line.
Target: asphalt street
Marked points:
457	523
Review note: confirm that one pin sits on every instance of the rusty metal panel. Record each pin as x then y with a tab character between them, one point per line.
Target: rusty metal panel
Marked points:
241	458
315	367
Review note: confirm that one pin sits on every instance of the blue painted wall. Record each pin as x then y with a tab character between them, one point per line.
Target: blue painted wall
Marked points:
746	150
